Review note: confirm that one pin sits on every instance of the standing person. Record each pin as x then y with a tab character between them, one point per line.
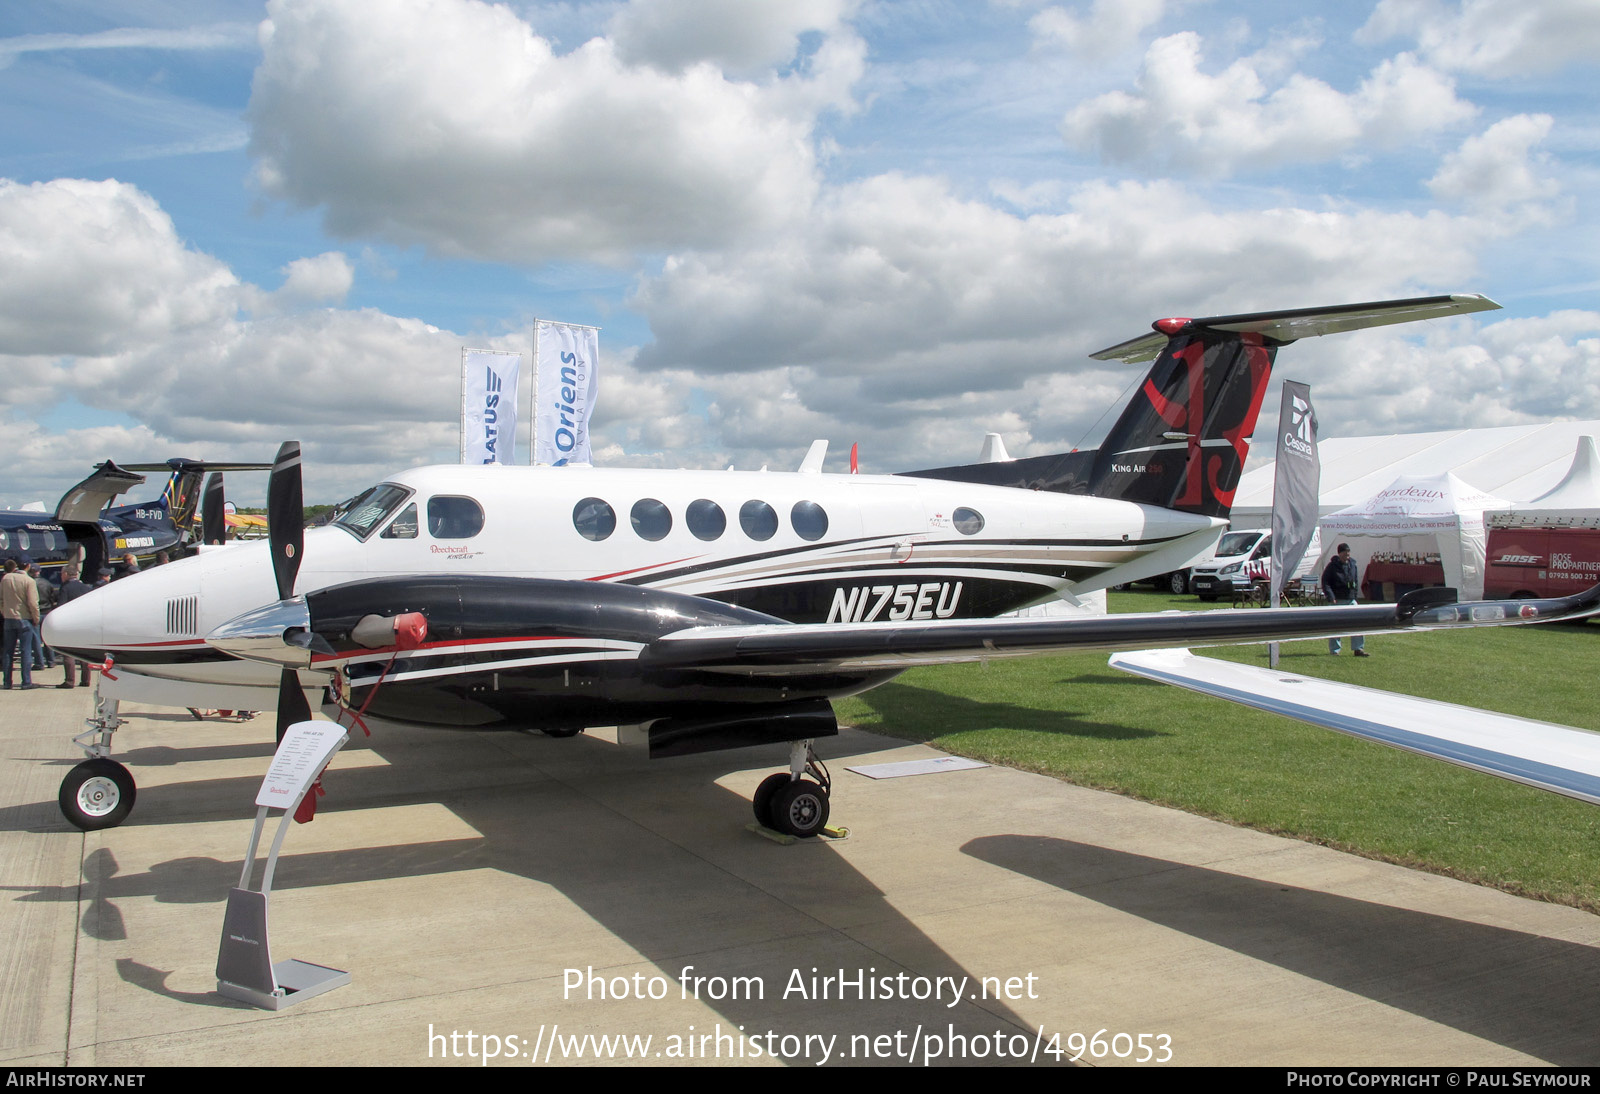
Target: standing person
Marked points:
43	656
71	589
1340	583
19	610
129	567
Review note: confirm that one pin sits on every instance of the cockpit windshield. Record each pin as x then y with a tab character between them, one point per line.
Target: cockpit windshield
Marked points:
370	509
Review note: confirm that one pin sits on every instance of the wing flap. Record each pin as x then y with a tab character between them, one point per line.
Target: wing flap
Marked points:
1552	757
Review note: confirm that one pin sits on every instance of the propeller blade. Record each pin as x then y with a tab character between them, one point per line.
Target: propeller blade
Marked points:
292	705
213	528
286	517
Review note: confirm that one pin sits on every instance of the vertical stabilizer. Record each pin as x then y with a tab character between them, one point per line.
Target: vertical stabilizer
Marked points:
1182	441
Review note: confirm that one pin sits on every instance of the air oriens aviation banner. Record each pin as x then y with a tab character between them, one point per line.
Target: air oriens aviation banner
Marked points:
1296	483
568	381
489	380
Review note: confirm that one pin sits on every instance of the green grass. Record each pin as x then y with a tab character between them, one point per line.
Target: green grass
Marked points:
1073	717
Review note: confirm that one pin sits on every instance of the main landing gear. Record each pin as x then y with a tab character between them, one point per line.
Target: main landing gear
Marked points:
98	793
788	803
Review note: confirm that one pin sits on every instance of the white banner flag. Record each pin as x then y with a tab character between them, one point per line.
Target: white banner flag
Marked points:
489	405
568	382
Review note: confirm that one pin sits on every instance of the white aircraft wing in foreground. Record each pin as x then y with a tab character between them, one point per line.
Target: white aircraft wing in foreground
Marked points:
1552	757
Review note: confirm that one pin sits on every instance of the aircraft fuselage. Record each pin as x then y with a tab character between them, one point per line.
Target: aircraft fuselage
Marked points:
699	548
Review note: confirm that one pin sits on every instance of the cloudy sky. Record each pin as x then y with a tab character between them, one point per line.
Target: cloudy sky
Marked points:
895	222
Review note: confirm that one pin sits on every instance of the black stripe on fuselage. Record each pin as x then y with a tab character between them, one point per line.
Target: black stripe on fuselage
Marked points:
886	541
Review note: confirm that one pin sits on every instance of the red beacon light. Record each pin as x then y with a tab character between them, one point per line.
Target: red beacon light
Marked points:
1169	327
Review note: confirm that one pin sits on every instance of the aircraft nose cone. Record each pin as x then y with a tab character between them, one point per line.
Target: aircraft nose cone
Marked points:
268	634
77	627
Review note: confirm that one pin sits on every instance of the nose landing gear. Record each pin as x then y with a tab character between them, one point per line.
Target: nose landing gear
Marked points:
98	793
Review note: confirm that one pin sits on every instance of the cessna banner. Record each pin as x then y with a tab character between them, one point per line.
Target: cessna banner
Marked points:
722	609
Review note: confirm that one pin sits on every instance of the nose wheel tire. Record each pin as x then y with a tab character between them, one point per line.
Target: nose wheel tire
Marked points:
97	794
765	793
800	808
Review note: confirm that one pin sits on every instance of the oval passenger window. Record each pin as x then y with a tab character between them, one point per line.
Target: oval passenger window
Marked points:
652	520
758	520
594	519
809	519
706	519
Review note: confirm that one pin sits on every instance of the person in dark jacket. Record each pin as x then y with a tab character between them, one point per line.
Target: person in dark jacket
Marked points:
43	656
71	589
1342	585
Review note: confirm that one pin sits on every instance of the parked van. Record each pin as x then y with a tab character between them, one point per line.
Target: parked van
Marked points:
1535	562
1231	567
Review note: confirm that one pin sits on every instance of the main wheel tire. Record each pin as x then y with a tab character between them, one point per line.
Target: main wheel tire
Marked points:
97	794
1178	582
765	793
800	809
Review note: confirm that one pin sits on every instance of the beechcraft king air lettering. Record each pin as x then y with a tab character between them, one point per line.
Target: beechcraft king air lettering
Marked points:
721	609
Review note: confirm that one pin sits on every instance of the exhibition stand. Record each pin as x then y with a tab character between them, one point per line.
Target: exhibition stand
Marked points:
245	969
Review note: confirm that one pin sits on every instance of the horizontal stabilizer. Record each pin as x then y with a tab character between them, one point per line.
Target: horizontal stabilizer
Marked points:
1551	757
1288	326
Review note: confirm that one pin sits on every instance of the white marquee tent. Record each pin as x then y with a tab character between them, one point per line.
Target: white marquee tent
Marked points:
1516	463
1441	509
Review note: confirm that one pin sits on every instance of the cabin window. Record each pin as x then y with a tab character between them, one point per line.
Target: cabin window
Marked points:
5	541
706	519
809	519
454	517
652	520
403	526
758	520
969	522
23	540
370	509
594	519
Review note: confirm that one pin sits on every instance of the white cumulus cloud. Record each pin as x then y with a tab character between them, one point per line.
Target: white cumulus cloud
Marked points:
452	124
1184	119
97	267
1499	171
735	35
1109	26
1494	38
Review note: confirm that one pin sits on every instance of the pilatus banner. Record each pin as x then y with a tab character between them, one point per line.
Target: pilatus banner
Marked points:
489	405
1296	483
568	380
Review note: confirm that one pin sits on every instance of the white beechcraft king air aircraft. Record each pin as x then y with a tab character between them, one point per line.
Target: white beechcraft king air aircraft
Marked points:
722	609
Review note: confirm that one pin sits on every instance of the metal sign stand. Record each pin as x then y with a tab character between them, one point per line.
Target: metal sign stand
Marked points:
245	969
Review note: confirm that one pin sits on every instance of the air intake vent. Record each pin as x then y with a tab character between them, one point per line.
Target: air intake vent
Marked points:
183	615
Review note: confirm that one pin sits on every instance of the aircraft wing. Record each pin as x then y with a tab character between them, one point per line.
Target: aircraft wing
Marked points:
1288	326
1551	757
773	649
